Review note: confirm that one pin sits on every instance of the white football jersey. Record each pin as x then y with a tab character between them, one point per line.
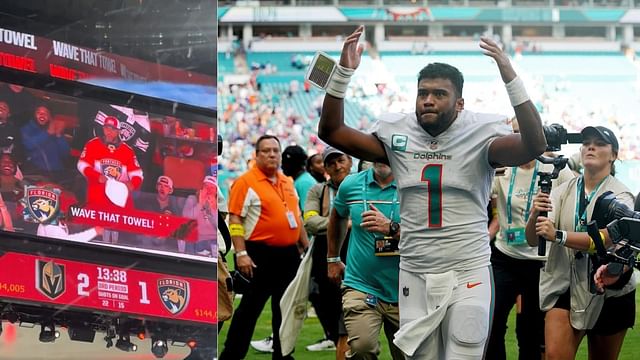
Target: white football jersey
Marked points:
444	185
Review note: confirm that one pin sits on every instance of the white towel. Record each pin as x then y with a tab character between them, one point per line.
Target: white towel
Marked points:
117	192
439	292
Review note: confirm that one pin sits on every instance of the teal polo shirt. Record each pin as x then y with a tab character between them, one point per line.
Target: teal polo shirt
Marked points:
302	184
365	272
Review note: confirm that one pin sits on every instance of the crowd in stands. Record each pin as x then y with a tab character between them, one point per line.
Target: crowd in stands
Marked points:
247	111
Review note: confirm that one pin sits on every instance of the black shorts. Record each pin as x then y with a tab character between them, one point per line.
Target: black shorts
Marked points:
618	313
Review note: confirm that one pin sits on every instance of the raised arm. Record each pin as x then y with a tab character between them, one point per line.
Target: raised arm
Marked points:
516	149
332	128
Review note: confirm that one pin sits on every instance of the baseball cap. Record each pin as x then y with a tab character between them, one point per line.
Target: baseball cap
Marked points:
294	153
165	180
602	132
330	151
209	179
112	121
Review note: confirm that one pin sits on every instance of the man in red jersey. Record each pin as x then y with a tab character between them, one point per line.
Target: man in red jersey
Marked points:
111	168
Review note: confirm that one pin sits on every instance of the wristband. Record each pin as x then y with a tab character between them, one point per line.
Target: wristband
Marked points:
562	239
310	214
331	260
242	253
516	91
337	86
236	230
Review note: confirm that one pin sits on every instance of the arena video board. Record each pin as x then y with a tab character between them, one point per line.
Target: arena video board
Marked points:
75	284
86	171
58	59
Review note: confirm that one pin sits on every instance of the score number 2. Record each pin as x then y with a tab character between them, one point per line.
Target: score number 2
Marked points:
83	284
432	175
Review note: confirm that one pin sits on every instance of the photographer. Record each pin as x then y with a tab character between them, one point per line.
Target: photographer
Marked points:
515	265
572	311
622	225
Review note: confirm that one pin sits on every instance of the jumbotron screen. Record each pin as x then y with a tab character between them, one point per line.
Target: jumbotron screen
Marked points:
79	170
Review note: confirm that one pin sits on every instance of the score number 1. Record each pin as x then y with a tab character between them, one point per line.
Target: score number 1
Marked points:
144	299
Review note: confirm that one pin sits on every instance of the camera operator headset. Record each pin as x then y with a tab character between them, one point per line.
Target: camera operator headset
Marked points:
572	311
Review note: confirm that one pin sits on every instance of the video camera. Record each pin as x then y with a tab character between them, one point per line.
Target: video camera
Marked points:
623	225
556	135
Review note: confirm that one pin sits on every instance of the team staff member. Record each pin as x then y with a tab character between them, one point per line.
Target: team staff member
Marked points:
293	164
326	300
370	293
516	266
572	311
443	158
315	167
266	227
105	157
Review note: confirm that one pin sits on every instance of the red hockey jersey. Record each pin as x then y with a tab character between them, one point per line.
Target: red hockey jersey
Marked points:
117	162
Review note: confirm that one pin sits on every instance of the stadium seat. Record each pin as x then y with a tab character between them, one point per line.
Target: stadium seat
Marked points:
186	174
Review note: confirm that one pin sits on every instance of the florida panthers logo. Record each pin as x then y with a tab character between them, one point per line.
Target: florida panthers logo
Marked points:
42	204
111	172
126	131
174	294
111	168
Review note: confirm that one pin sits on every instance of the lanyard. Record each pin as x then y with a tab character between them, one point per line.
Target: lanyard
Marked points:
581	213
529	194
278	188
365	186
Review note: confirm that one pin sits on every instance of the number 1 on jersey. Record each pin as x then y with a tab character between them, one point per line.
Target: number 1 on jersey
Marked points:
432	175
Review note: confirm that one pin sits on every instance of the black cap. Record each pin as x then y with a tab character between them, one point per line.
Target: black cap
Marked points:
294	154
329	152
603	133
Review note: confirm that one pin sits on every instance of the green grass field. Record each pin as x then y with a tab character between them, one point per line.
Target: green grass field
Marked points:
312	331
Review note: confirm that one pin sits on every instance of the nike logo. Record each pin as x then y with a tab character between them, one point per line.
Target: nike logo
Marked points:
472	285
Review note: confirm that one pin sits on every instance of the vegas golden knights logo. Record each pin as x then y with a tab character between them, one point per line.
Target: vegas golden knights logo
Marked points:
174	294
50	278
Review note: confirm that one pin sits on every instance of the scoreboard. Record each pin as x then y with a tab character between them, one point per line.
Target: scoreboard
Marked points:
30	53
